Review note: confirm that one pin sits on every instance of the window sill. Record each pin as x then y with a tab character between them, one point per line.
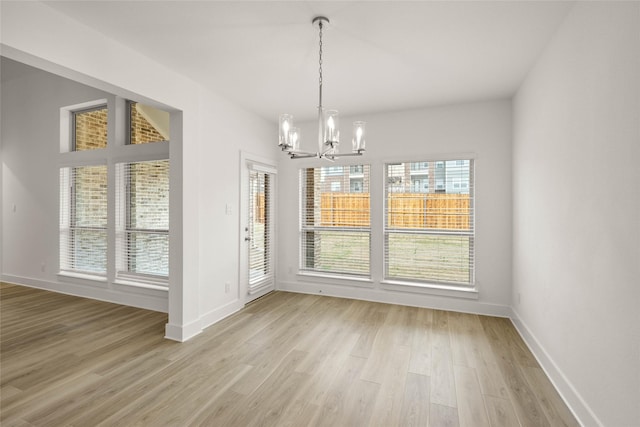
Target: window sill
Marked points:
140	285
82	276
470	292
335	278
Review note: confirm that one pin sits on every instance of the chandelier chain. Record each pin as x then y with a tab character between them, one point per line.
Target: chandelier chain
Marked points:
320	55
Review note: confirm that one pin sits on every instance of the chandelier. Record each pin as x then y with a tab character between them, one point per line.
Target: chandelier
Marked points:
328	131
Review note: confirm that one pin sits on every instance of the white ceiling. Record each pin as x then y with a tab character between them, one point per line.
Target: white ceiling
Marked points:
378	56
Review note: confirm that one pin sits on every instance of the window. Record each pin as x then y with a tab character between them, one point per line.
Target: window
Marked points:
429	236
143	202
83	219
332	171
146	124
356	185
420	183
89	128
356	170
334	227
419	167
83	195
139	186
395	175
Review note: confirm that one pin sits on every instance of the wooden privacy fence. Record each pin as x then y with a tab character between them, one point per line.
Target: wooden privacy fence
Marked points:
259	208
406	210
344	210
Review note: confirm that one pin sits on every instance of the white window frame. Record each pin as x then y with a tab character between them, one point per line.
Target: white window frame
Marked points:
70	159
306	228
387	230
117	151
124	230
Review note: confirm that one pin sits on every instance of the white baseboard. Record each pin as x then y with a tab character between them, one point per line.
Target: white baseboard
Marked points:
397	297
190	330
216	315
182	333
100	292
567	391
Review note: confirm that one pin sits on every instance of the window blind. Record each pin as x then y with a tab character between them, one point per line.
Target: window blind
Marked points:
429	221
142	226
83	219
261	228
335	231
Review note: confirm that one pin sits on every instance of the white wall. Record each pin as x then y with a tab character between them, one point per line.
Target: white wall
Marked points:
220	187
35	34
482	130
576	216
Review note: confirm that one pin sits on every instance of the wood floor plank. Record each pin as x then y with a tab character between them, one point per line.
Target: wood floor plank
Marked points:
333	410
415	412
523	397
360	402
420	362
554	408
326	373
388	408
442	379
285	360
501	413
443	416
471	407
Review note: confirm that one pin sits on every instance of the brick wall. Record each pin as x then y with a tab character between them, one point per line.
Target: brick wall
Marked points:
91	129
142	131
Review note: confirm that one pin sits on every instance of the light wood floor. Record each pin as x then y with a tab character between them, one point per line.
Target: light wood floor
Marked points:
286	360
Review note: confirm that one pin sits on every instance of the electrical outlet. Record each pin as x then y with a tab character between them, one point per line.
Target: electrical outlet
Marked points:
227	287
43	267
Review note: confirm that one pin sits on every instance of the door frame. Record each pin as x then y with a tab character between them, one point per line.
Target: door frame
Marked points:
248	162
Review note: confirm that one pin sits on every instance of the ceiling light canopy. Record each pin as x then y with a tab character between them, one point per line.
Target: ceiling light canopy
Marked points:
328	124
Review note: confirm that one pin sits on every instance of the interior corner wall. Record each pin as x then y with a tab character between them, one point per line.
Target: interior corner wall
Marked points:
219	210
481	130
576	220
38	35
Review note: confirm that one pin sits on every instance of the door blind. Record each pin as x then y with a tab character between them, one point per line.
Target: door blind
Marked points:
429	221
261	227
335	228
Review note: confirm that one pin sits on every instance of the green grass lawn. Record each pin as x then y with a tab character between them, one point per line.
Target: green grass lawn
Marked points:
411	256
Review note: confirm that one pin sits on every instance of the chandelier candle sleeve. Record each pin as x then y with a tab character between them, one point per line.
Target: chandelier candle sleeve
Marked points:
331	129
358	141
286	123
294	138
